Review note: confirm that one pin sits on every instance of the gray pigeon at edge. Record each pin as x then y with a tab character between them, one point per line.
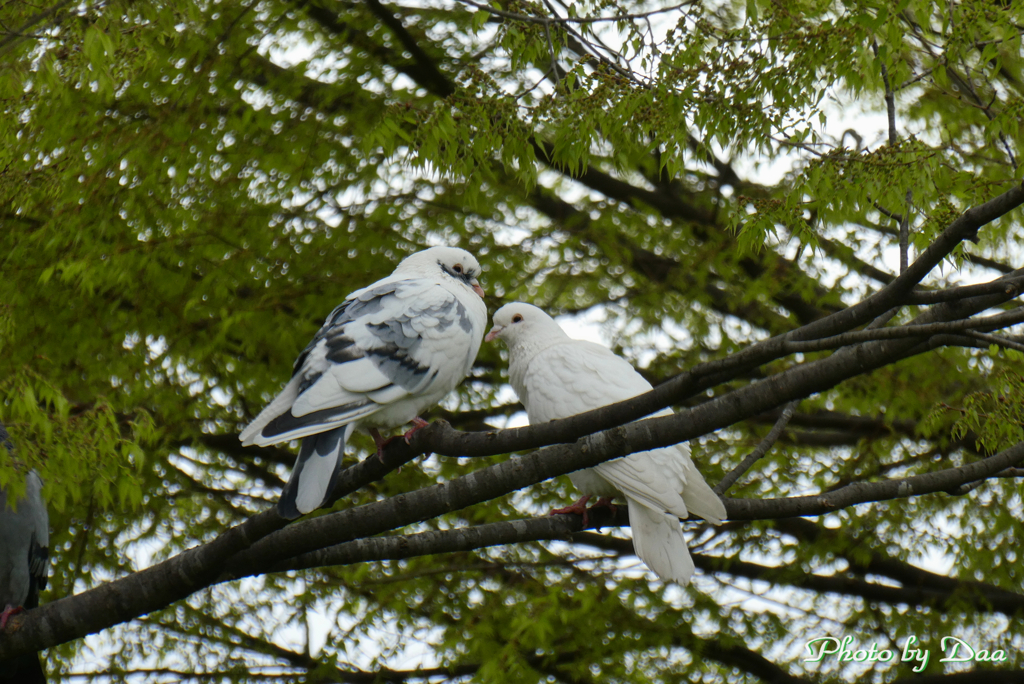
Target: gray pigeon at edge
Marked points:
24	555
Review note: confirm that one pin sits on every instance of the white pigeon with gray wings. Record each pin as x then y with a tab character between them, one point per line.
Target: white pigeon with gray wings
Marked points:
388	352
556	377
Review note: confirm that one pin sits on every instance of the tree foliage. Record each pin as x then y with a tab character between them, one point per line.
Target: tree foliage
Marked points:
723	188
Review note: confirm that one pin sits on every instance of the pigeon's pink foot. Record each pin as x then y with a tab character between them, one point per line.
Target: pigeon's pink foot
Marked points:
417	425
578	508
7	613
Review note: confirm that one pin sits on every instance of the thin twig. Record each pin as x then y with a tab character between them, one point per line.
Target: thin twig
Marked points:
21	33
1009	473
905	234
891	214
911	81
551	51
883	319
578	42
1012	317
890	99
571	20
1009	286
1003	342
890	109
762	448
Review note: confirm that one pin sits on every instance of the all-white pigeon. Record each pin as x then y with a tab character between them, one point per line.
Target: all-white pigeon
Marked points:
556	377
385	354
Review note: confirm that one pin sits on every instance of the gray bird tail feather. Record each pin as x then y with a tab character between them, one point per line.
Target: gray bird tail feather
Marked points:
315	472
659	542
701	500
281	403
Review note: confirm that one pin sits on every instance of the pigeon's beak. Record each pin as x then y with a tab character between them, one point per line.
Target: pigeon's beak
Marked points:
476	288
495	331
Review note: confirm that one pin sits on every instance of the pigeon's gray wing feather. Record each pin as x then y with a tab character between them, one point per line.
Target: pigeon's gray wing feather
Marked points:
384	344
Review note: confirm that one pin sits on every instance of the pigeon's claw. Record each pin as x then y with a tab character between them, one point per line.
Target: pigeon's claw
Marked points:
417	425
380	442
578	508
7	614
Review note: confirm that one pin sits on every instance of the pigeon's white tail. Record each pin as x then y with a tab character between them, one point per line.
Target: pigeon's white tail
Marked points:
701	500
315	472
659	542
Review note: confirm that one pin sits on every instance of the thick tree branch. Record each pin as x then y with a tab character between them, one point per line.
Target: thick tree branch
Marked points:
661	269
988	323
559	527
397	547
427	75
255	543
948	598
193	569
852	547
13	37
426	70
742	659
963	228
861	492
1007	285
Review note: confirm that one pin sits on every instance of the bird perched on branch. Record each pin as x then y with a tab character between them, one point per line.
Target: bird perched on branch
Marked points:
556	377
24	552
385	354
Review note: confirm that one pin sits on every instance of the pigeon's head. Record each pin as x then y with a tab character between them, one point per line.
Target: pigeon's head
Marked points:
444	262
518	321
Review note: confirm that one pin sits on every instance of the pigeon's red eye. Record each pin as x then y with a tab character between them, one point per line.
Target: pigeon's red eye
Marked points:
457	268
517	318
